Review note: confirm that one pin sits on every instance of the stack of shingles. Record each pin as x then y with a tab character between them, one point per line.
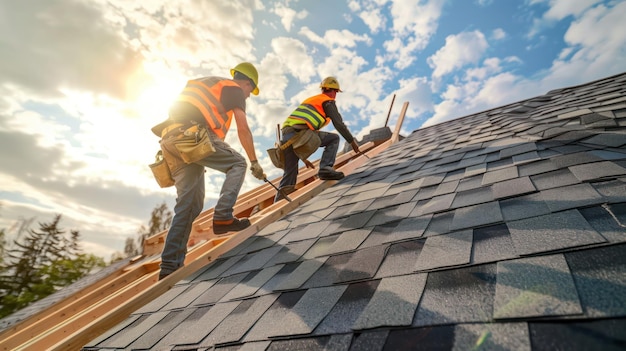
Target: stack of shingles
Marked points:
474	228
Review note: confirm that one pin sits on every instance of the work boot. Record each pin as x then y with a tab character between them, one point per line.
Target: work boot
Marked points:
328	173
230	225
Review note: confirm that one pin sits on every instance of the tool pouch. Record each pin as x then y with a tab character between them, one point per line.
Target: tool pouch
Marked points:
194	144
161	171
307	142
277	157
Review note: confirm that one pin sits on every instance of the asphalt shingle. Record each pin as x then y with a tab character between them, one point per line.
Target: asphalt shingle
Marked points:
605	335
476	215
235	326
597	170
217	291
573	196
409	228
492	336
535	287
196	325
250	286
513	187
348	308
552	232
457	296
309	311
445	250
604	223
492	244
554	179
400	259
393	303
269	323
301	274
362	264
600	277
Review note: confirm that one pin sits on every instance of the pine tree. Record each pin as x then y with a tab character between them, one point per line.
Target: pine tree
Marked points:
160	220
41	263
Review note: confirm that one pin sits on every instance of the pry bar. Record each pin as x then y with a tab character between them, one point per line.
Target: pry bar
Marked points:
282	192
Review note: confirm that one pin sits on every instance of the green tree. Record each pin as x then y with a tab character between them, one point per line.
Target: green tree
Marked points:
160	220
3	245
41	263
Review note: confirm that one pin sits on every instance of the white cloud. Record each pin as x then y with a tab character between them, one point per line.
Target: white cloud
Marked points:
335	38
103	73
416	17
490	66
354	5
294	57
498	34
94	54
459	50
373	19
597	47
558	10
288	15
417	91
413	24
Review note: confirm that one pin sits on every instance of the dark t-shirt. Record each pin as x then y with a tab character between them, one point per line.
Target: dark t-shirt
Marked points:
232	97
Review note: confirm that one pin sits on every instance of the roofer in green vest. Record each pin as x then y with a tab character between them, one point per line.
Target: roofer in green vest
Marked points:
211	103
312	115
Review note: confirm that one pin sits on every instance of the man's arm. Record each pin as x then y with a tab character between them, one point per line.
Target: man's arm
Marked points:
244	133
331	111
245	138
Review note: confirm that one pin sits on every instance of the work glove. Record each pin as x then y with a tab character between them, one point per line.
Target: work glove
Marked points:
355	146
257	170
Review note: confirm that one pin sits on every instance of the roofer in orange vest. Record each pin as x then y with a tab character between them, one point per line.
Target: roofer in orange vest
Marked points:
313	114
209	102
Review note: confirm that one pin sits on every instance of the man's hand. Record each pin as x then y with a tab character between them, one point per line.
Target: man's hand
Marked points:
257	170
355	146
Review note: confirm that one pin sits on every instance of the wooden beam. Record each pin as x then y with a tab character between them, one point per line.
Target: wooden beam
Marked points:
395	137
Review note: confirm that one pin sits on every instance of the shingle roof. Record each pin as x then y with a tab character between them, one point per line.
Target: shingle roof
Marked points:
501	230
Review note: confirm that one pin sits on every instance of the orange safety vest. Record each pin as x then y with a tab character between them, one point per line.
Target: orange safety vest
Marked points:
205	94
310	112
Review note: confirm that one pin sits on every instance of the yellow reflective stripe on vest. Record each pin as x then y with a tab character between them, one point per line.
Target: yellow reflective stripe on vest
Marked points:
309	115
310	112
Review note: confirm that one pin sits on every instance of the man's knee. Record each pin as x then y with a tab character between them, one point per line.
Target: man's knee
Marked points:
330	139
239	162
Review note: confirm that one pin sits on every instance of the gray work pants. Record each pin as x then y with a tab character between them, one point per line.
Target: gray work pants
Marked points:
189	183
330	143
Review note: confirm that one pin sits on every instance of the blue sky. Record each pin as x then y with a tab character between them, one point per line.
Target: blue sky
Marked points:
82	82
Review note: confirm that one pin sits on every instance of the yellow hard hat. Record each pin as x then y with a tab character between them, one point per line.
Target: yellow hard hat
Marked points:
248	70
330	83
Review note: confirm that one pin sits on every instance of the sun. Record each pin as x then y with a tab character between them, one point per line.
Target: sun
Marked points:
157	98
155	90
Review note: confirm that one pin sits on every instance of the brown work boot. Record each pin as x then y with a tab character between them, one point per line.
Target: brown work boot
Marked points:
328	173
230	225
